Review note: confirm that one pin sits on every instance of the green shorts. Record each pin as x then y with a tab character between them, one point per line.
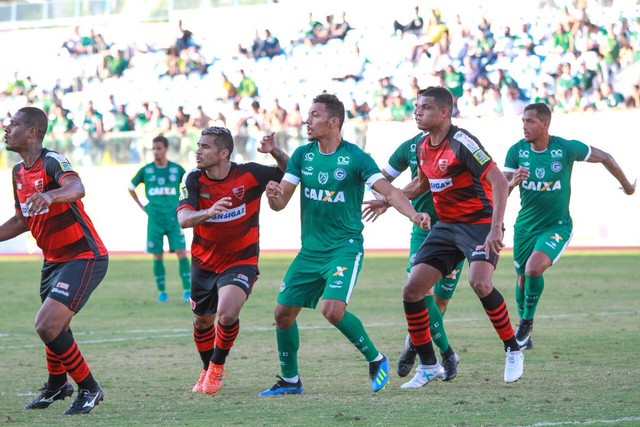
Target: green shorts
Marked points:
552	242
311	276
157	228
446	286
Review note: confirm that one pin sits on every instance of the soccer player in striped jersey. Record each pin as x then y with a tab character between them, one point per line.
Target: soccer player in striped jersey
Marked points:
221	201
540	165
470	194
47	194
332	174
437	299
161	179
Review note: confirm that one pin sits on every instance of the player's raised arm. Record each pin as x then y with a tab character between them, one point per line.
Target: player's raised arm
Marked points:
190	218
71	189
268	144
279	194
599	156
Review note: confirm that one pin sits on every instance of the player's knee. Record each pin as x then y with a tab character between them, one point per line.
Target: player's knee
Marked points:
46	331
227	318
202	323
284	319
481	288
333	314
534	271
411	292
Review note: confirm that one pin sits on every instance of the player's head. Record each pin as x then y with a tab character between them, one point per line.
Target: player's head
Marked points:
27	125
535	121
159	146
433	108
325	115
214	147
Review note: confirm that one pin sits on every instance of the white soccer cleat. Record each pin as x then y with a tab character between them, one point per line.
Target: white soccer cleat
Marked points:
424	375
514	367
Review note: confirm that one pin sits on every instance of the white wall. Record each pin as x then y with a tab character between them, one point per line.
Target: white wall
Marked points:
603	215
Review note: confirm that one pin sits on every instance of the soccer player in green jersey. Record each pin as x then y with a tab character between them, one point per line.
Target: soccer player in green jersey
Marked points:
438	297
540	165
161	179
332	174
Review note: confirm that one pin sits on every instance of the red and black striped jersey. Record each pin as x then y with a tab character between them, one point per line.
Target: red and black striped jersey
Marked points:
456	170
63	231
230	238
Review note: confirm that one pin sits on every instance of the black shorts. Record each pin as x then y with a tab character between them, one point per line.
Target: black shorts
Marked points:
72	282
449	243
205	285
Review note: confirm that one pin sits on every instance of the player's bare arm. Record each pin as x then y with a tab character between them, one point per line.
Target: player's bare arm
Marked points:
399	201
599	156
136	199
515	178
500	191
14	226
374	208
190	218
279	194
71	189
268	144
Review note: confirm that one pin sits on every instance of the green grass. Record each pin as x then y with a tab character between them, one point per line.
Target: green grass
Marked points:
584	368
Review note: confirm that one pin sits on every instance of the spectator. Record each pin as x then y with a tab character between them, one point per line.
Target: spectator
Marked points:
247	87
415	25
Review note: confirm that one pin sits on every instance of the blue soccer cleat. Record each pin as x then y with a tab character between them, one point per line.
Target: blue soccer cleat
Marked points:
163	297
379	373
283	387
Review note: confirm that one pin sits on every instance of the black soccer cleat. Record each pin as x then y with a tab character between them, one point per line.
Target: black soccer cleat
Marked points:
524	334
48	396
407	358
450	365
85	401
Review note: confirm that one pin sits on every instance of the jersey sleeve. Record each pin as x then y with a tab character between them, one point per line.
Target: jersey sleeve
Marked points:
399	161
511	160
294	166
369	170
57	166
264	174
138	178
578	151
472	154
189	191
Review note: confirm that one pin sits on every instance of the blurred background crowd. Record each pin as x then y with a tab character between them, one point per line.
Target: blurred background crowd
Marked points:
109	88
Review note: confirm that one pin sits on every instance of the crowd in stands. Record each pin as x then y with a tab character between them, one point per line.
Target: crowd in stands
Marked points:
110	99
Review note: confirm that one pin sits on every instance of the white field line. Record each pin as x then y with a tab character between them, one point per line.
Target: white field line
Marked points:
583	423
145	334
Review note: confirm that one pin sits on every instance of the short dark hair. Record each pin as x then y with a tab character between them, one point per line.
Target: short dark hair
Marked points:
543	112
162	140
441	95
37	118
222	137
334	106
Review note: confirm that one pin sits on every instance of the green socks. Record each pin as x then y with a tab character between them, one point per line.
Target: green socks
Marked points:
352	328
533	287
288	344
185	273
438	334
159	273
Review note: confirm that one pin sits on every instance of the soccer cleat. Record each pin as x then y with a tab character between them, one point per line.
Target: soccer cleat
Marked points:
163	297
529	344
379	373
424	375
524	332
186	296
514	367
283	387
213	379
85	401
48	396
198	387
450	366
407	358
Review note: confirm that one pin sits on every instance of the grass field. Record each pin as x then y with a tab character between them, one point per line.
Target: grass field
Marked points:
583	370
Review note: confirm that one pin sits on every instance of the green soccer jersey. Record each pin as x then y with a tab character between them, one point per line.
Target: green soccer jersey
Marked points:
405	157
545	195
162	187
331	193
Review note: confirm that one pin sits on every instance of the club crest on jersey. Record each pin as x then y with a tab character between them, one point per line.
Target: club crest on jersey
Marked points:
38	184
442	165
323	177
340	174
238	192
556	166
540	173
